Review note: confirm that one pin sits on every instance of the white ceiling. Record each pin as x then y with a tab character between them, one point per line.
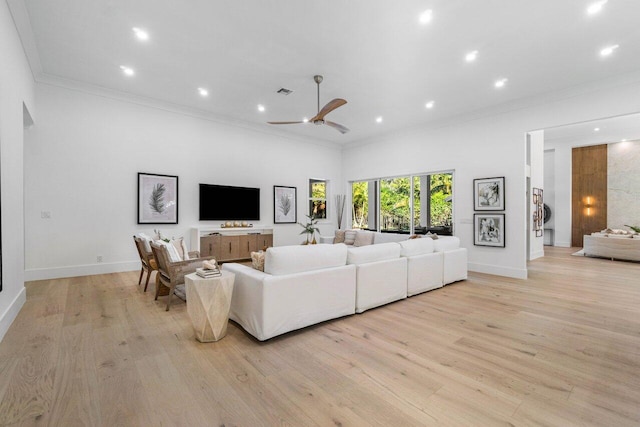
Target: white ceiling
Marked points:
373	53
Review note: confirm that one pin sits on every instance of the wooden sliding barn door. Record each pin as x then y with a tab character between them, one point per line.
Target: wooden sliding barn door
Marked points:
588	191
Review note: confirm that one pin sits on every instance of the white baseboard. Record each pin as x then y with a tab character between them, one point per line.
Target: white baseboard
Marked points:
79	270
7	318
498	271
562	244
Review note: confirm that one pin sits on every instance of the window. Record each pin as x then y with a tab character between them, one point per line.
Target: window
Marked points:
432	195
409	204
364	195
395	205
318	198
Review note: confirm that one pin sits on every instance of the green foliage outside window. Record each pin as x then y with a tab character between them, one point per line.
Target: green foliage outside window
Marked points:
395	209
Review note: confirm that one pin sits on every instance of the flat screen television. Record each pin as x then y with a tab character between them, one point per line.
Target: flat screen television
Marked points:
228	203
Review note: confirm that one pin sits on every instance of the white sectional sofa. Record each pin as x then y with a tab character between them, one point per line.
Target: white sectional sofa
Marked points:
425	267
381	274
307	284
300	286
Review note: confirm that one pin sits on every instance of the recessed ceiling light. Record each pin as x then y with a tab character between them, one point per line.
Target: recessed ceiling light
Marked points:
141	34
430	104
596	7
608	50
500	82
203	92
426	16
261	108
596	129
127	70
379	119
471	56
306	120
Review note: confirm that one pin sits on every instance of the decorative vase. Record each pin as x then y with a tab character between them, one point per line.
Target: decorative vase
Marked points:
313	242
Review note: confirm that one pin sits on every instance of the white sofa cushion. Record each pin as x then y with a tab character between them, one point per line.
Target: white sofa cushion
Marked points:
425	272
281	260
372	253
446	243
414	247
389	237
455	265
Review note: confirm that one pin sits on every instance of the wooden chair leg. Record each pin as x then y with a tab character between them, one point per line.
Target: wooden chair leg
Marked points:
147	282
173	286
140	278
158	284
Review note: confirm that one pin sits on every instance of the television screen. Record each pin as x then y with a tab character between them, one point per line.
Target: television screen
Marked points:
228	203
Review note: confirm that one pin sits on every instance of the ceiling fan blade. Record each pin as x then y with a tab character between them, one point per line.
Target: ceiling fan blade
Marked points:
337	126
331	105
284	123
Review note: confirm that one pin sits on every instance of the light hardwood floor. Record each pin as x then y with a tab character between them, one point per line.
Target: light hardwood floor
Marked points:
560	349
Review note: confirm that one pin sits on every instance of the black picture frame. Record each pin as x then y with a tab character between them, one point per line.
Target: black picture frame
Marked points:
489	229
157	198
488	194
285	204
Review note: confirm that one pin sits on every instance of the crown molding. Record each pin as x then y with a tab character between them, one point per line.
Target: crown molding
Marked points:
103	92
21	20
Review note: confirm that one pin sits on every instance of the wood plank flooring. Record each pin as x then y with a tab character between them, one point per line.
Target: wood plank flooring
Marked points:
559	349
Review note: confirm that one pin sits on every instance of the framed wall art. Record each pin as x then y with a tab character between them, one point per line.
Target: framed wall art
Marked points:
488	230
284	205
488	194
538	211
157	199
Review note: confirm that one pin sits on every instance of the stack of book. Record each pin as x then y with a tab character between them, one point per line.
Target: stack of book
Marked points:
208	273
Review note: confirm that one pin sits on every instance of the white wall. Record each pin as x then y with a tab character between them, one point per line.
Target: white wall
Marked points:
16	94
623	185
536	145
491	145
82	161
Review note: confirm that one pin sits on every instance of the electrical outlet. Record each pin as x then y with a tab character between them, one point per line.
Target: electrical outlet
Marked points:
99	258
45	215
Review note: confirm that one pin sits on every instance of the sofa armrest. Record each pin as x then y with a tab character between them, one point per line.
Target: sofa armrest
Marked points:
247	306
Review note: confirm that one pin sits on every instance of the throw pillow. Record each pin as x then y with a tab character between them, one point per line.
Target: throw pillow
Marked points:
174	256
363	238
349	237
339	237
257	260
181	248
415	236
146	240
433	236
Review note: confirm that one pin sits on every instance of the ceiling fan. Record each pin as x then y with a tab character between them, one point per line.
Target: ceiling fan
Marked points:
318	119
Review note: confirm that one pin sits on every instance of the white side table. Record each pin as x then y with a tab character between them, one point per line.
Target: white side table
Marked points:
208	303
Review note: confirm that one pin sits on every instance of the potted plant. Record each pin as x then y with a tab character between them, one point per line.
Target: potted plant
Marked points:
310	230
